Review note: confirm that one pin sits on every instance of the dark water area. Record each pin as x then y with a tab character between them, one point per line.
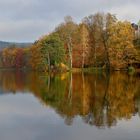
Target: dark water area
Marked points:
69	106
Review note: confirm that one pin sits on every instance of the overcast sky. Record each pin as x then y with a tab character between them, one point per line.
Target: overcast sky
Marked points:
27	20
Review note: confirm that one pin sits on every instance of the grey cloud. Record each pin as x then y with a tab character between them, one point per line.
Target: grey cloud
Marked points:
26	20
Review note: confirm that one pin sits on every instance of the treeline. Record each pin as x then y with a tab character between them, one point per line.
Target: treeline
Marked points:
100	40
15	57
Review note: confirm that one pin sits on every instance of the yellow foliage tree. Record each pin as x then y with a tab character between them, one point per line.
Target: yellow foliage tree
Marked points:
120	40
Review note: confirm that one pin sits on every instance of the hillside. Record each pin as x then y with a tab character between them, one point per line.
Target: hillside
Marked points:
4	44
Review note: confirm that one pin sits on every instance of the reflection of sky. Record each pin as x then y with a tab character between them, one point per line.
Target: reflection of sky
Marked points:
23	117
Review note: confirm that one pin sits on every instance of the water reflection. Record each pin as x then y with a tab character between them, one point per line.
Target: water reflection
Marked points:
99	99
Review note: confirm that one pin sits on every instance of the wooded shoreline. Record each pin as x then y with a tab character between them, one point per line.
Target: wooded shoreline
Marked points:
100	41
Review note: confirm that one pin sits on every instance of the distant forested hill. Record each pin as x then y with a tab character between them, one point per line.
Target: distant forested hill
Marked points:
4	44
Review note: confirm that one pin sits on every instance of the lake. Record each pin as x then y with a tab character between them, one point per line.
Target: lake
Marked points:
90	106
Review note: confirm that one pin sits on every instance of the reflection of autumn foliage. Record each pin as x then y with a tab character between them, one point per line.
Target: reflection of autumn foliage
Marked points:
99	99
120	97
12	82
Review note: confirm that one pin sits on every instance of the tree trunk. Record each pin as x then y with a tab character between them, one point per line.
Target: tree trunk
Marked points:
95	56
83	60
107	58
107	55
49	63
70	52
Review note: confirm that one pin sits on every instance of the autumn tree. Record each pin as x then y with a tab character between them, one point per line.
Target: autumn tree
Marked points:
27	55
120	43
13	57
98	25
36	60
47	51
8	57
66	32
84	35
19	59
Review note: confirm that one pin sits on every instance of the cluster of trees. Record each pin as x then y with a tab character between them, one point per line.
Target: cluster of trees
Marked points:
100	40
47	52
14	57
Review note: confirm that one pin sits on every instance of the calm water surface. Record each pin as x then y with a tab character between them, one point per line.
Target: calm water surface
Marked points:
69	106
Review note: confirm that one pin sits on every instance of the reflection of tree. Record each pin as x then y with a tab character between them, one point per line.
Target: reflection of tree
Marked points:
100	100
120	98
12	81
70	89
97	108
117	102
